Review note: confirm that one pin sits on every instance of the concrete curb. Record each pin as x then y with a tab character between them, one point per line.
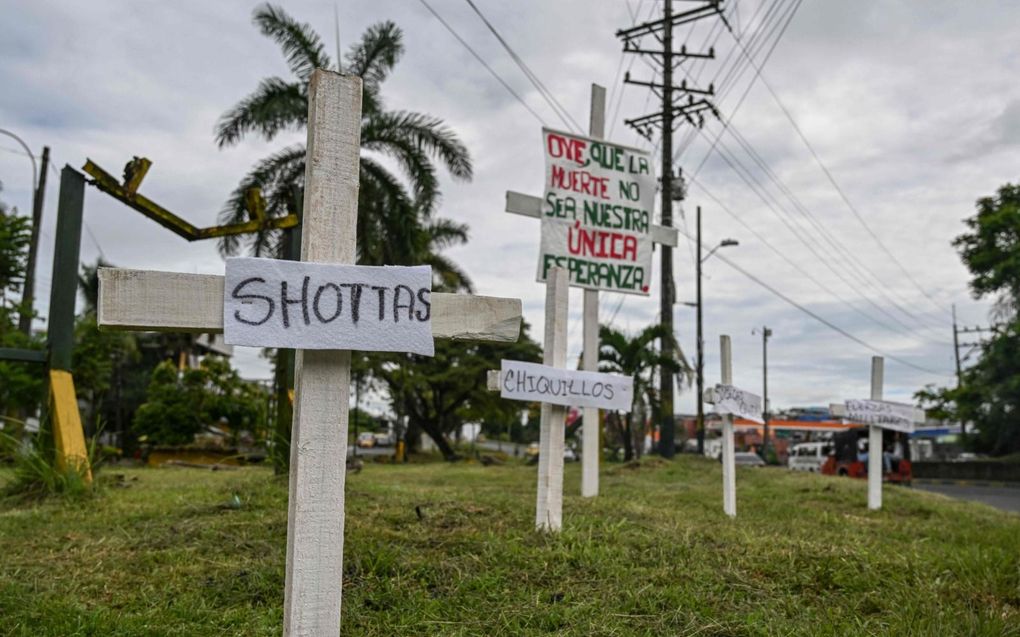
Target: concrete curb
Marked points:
968	483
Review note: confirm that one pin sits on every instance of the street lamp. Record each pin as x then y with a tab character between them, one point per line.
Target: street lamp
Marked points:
725	243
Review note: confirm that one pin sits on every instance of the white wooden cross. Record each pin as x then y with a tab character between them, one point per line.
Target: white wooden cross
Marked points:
175	302
730	401
878	415
530	206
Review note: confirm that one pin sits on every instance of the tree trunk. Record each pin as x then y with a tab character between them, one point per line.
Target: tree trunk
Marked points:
638	431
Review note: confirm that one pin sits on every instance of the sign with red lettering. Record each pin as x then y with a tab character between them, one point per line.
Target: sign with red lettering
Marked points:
597	213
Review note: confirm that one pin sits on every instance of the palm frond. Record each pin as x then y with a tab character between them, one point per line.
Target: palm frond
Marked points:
276	176
300	43
274	106
373	58
424	132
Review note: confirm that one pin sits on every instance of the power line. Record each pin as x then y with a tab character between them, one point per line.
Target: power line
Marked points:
558	108
785	257
482	62
828	174
821	319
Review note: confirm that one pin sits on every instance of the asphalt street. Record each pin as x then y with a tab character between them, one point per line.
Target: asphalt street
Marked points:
1005	498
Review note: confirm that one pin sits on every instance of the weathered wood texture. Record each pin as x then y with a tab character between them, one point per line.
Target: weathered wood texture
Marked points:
549	505
68	435
875	438
591	447
530	206
177	302
728	450
315	520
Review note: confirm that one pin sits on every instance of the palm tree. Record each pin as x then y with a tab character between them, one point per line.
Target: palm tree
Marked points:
396	223
637	357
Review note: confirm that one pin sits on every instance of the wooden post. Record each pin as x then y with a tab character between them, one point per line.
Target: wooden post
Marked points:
875	438
315	520
728	460
591	448
65	419
549	504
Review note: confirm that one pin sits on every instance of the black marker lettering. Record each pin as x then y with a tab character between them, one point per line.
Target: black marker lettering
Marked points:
237	295
397	306
339	302
356	289
284	302
424	296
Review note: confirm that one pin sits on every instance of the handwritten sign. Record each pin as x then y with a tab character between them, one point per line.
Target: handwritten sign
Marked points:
597	213
302	305
730	400
885	414
541	383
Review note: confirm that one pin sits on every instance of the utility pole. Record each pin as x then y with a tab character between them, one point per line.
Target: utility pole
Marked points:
28	291
701	347
765	334
662	30
957	345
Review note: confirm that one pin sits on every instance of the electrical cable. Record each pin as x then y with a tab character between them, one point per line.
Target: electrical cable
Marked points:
829	175
558	108
483	63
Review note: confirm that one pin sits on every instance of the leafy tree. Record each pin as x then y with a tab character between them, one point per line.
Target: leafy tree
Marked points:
20	383
637	357
396	225
181	404
991	250
988	394
438	394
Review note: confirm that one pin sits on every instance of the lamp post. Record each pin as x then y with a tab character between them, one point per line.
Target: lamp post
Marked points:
725	243
765	334
38	192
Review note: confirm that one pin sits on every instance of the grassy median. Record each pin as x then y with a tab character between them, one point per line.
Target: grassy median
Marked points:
440	549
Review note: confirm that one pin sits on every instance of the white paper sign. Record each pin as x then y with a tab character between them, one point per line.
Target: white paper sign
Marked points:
597	213
885	414
300	305
730	400
567	387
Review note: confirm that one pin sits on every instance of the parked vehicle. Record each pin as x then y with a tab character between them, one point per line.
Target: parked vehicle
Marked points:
748	459
383	440
713	448
809	456
366	439
849	456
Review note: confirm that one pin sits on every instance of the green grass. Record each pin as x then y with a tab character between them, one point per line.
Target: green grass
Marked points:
654	555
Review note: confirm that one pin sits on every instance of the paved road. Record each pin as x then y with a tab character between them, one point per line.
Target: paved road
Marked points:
1005	498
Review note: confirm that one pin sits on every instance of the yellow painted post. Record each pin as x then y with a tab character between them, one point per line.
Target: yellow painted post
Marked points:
66	421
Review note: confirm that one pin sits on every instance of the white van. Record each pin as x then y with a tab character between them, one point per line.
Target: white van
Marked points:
809	456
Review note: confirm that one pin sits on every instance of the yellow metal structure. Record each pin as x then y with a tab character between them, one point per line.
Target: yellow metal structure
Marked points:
127	193
68	436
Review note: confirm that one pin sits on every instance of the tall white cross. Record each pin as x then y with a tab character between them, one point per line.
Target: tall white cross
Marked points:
175	302
729	468
875	438
530	206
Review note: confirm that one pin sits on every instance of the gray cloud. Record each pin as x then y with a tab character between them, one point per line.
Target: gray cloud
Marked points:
888	93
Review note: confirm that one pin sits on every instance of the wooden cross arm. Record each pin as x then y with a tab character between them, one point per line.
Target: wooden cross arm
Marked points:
144	300
530	206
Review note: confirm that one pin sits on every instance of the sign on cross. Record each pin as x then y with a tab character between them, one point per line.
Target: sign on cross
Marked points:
589	197
165	301
879	414
731	401
557	389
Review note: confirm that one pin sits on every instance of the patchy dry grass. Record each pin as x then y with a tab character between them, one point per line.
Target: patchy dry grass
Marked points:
449	550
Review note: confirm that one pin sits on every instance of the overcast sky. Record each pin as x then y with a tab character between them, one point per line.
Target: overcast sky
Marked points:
912	105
